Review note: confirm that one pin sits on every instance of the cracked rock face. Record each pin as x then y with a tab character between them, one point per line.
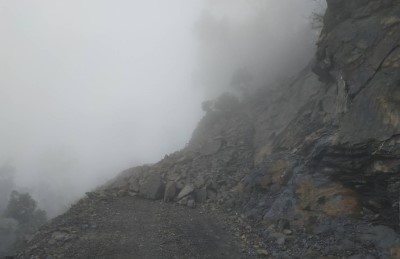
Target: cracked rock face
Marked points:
362	49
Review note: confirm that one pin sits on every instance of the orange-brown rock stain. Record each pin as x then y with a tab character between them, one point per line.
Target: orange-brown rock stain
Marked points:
333	199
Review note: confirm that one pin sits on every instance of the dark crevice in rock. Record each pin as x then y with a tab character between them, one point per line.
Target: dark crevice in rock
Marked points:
362	87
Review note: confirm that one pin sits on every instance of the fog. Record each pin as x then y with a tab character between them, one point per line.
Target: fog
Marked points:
89	88
270	39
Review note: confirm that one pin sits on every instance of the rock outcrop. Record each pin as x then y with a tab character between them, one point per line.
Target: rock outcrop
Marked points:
312	166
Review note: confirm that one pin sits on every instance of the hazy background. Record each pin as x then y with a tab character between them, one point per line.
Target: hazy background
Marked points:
91	87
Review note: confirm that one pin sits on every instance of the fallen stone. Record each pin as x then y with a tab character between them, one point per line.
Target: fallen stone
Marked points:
180	184
122	193
380	236
59	236
191	203
200	195
287	232
152	187
199	182
363	256
188	189
276	235
132	194
281	241
174	175
283	224
183	201
212	195
262	252
170	191
211	147
134	184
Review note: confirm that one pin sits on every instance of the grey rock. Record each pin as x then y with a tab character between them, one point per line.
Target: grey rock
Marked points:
191	203
262	252
287	232
211	194
133	194
281	241
347	244
200	195
199	181
361	256
277	236
170	191
134	185
180	184
59	236
126	178
183	201
283	224
211	147
174	175
153	186
381	236
188	189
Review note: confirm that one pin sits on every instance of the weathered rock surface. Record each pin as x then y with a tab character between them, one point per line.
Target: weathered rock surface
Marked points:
152	186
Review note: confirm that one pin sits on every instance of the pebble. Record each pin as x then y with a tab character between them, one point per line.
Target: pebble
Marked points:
287	232
262	252
281	241
191	203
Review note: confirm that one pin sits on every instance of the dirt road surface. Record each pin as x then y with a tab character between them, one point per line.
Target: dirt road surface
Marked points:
130	227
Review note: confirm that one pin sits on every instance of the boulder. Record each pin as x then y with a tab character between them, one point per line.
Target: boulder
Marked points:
212	195
152	186
191	203
170	191
262	252
134	185
200	195
188	189
211	147
199	181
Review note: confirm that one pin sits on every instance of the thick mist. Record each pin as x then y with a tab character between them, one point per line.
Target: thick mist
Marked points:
265	41
89	88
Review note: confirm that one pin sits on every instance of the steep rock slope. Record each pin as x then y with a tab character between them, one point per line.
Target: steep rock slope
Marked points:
307	169
337	160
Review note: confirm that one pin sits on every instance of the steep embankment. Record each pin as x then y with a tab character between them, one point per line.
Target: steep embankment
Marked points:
306	170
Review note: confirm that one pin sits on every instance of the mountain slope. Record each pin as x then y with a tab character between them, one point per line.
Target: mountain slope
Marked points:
306	169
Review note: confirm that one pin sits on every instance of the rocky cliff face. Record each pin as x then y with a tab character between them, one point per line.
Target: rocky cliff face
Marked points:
312	166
